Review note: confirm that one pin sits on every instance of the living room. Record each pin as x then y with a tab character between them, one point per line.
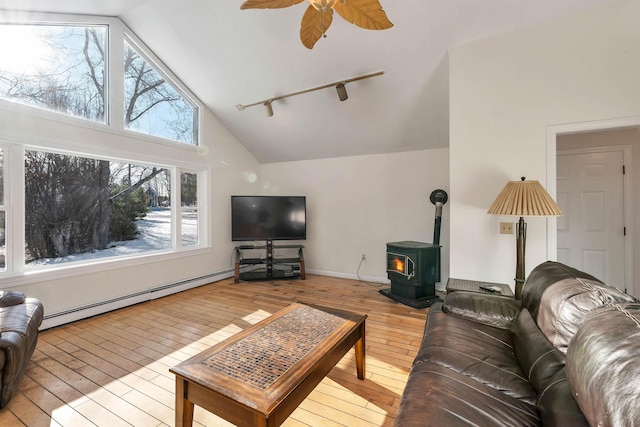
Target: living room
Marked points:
506	99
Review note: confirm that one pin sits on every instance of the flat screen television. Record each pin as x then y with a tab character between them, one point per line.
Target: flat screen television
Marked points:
268	218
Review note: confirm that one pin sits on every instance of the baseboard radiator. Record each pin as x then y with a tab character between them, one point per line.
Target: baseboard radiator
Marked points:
83	312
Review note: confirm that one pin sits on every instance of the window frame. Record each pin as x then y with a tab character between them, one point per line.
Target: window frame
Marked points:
41	20
182	209
170	78
117	34
85	141
5	204
15	237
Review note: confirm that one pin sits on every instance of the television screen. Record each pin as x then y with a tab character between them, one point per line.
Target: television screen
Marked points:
268	218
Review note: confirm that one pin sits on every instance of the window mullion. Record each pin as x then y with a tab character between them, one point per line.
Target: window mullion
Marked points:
15	239
115	80
176	208
203	209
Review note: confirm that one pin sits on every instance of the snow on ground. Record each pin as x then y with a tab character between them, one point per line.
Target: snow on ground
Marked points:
155	235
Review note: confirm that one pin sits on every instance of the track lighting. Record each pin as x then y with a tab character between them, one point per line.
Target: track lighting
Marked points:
269	108
342	92
339	85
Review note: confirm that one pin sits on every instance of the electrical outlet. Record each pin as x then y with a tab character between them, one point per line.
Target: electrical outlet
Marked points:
506	228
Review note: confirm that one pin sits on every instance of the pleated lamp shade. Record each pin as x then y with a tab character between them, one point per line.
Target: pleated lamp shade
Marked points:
524	198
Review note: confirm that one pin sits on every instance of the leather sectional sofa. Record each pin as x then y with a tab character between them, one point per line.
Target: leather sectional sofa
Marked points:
568	354
20	318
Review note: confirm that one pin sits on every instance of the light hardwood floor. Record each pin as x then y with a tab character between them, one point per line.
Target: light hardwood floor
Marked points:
113	369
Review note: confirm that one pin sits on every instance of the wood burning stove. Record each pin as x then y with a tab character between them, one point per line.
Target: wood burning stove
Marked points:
414	267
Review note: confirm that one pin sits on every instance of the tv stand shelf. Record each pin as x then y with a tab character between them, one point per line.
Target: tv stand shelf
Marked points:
272	268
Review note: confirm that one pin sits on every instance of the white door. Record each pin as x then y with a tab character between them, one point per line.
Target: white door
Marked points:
591	233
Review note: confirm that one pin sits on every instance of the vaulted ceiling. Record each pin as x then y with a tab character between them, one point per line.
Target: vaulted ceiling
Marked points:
228	56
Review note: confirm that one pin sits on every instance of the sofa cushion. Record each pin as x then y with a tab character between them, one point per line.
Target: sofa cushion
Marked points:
492	310
9	298
438	396
559	297
603	365
544	366
544	276
481	352
557	406
539	360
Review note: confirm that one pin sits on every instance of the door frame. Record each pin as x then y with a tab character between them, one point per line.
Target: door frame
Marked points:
627	200
552	132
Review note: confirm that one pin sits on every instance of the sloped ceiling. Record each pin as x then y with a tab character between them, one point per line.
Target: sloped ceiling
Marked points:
228	56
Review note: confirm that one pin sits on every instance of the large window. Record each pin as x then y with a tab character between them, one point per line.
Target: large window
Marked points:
56	67
152	105
76	198
85	209
189	208
65	68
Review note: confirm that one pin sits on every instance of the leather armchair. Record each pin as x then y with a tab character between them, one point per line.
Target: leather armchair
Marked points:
20	318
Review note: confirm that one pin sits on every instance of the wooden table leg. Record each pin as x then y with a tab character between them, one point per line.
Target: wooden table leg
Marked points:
360	353
184	408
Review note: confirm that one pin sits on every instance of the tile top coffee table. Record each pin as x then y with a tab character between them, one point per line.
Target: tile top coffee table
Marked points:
260	375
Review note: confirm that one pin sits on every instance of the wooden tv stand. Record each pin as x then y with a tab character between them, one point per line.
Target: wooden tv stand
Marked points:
268	265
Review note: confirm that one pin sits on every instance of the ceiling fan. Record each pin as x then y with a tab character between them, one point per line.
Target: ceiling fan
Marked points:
316	20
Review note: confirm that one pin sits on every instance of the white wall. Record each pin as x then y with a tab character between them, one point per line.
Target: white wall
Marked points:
355	205
505	92
227	159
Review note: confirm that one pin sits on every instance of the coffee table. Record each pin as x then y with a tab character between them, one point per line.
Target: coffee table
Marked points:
260	375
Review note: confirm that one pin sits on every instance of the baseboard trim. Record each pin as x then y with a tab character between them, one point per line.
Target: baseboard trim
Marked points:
56	319
440	286
63	317
373	279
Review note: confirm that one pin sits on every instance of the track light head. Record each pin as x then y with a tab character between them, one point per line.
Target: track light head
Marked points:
269	108
342	92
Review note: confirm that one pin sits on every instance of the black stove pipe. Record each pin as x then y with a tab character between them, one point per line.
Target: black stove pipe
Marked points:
438	198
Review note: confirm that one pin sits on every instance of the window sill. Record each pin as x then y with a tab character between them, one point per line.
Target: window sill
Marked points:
60	272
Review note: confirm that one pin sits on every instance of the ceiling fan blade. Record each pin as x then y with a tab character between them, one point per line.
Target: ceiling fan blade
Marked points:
366	14
314	25
268	4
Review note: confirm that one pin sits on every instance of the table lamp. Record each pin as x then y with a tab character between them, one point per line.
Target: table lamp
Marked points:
523	198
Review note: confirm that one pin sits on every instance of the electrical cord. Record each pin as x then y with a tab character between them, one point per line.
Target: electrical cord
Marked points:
364	281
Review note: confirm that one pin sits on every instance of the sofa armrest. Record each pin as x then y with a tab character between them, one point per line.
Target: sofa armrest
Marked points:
492	310
18	337
9	298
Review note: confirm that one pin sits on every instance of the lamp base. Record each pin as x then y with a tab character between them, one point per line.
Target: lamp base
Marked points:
521	242
519	286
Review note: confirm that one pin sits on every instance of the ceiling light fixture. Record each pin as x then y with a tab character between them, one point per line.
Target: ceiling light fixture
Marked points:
342	92
339	85
269	108
367	14
324	5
